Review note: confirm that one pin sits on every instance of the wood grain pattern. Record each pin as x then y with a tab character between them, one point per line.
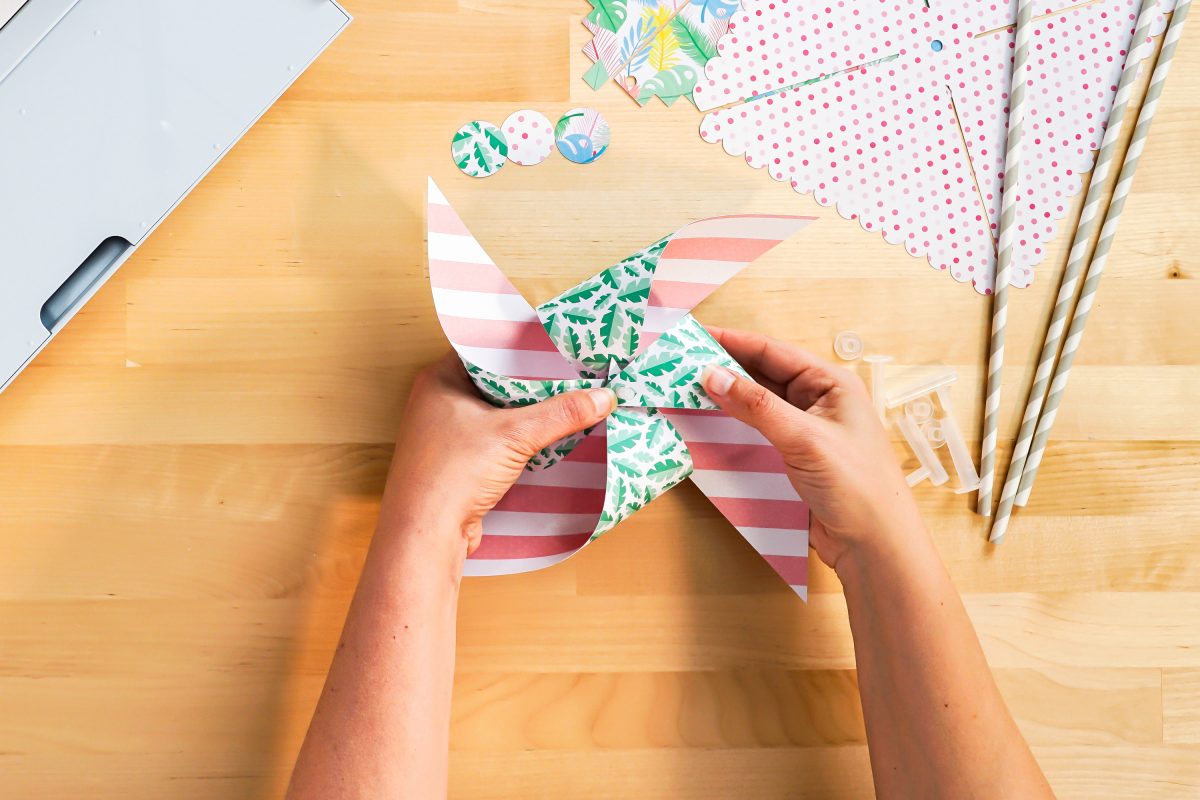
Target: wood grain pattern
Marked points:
189	474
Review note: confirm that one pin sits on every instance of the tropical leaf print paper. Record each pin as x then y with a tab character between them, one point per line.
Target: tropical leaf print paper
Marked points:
582	135
664	47
647	456
605	312
670	85
668	374
659	50
506	392
635	46
694	39
608	14
628	327
479	149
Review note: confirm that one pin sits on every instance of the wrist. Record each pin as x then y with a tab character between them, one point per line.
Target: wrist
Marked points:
433	531
897	547
424	500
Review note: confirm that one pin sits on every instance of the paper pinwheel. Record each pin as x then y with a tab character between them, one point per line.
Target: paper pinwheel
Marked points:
896	112
628	328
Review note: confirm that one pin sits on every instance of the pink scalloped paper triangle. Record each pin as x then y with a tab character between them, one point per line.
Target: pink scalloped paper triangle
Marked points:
896	113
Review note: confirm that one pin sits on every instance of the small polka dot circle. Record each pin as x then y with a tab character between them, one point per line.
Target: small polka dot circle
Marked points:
530	137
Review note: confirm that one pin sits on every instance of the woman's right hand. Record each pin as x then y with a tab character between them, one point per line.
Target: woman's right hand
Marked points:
821	419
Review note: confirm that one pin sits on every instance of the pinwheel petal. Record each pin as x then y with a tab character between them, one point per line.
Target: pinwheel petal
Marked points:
702	256
746	479
667	374
547	516
485	318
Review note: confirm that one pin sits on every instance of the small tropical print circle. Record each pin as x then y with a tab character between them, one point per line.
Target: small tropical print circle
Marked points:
479	149
582	135
530	137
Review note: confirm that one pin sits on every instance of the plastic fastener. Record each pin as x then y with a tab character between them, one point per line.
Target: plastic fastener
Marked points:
878	385
848	346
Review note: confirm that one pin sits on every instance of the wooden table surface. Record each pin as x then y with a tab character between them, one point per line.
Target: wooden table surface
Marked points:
190	473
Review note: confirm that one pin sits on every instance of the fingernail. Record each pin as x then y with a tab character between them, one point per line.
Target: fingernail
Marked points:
717	379
605	400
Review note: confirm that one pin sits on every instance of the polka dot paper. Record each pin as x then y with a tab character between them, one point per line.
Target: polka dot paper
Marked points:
582	135
896	114
530	137
479	149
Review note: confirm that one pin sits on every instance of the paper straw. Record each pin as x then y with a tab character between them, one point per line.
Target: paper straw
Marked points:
1008	231
1095	270
1106	162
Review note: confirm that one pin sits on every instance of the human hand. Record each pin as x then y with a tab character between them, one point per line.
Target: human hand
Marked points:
456	455
821	419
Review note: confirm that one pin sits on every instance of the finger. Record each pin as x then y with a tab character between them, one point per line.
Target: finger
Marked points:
449	369
530	428
802	376
762	380
448	378
779	361
756	405
775	386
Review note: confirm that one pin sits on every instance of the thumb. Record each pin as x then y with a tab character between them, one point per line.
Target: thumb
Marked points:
755	405
535	426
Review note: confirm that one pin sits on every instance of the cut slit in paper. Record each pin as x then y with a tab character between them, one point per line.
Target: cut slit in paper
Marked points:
629	328
896	114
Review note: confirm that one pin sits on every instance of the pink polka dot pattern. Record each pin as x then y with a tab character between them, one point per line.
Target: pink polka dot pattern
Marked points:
530	137
883	143
1075	65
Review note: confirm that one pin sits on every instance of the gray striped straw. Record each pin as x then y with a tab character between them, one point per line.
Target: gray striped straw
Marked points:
1008	233
1105	162
1095	270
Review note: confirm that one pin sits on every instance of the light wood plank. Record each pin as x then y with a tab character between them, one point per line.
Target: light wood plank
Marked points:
190	473
1181	706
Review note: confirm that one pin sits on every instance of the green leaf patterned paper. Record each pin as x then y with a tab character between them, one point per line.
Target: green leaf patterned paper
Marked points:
694	40
506	392
479	149
669	85
608	14
647	456
605	312
667	375
597	75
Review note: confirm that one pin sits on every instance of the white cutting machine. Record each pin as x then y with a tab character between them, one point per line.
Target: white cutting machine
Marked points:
110	112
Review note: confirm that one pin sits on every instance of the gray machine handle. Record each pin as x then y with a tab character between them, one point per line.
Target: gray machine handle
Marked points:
94	270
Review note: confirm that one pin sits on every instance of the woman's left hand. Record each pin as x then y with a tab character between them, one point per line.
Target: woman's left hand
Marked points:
456	455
